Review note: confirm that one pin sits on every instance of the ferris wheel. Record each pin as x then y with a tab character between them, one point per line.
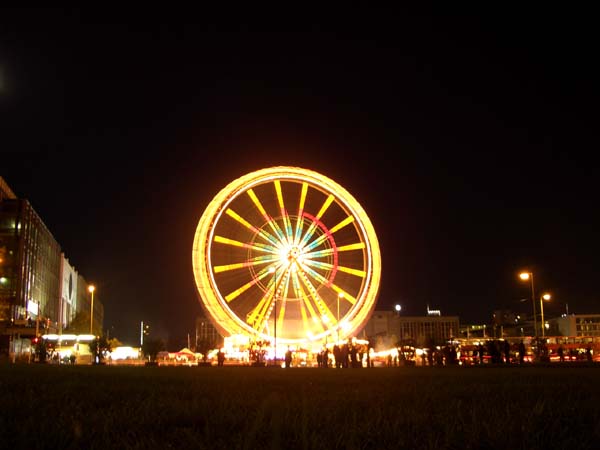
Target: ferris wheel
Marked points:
286	252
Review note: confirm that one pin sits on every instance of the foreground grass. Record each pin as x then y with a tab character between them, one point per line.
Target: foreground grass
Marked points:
246	408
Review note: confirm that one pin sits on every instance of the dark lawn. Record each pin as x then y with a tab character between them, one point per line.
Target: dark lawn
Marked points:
241	407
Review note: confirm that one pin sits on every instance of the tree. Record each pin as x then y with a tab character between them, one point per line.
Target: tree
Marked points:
81	324
152	347
99	348
114	343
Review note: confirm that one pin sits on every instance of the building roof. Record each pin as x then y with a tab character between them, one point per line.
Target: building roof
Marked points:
6	191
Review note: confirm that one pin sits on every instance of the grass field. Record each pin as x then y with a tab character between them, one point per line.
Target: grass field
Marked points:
62	407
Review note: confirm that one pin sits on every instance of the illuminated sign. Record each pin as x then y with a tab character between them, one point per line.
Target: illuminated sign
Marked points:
32	307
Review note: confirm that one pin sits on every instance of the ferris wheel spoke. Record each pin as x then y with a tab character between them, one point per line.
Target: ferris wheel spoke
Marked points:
250	263
315	222
281	311
300	212
272	223
251	316
315	275
321	238
255	246
312	310
299	293
256	317
322	280
329	251
267	315
262	274
328	266
286	218
262	233
321	305
318	264
343	294
347	296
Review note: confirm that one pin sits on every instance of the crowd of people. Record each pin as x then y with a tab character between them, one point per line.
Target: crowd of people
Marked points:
345	355
352	354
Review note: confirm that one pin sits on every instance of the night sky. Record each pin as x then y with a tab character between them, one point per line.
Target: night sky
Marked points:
469	140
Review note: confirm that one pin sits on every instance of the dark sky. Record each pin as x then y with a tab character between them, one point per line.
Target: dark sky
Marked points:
469	140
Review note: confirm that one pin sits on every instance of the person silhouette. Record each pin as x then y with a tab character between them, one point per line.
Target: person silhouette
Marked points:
521	352
561	353
220	358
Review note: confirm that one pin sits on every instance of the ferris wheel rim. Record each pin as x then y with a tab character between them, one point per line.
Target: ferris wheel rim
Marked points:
205	233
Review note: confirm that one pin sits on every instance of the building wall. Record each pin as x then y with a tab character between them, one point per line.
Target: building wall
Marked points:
390	328
39	289
32	267
68	297
9	257
577	325
587	325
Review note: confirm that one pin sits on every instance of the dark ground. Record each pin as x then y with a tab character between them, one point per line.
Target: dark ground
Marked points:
232	407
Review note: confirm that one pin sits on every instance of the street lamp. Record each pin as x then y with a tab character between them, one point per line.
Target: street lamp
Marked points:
542	298
144	331
529	276
92	288
398	308
340	296
274	272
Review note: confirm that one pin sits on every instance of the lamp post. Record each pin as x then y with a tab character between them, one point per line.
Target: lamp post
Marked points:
542	298
92	288
529	276
398	308
274	272
144	332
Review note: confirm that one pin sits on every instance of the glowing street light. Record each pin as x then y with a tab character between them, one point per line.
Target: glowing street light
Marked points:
92	288
398	309
542	298
529	276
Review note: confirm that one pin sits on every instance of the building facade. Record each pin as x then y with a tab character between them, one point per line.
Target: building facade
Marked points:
576	325
29	275
68	296
39	289
388	329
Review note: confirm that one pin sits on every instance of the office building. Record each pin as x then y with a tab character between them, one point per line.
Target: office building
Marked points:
38	286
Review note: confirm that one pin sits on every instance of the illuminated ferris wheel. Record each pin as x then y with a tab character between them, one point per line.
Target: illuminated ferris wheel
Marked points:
286	252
